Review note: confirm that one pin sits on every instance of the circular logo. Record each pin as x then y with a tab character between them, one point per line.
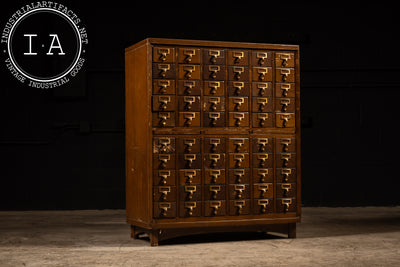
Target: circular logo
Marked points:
44	43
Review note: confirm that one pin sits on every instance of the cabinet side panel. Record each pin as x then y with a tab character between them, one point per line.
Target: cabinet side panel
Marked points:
137	135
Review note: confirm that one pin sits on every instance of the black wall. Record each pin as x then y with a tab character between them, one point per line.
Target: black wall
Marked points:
63	148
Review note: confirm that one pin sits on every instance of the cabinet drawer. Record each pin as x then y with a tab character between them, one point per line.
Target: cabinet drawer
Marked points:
214	72
263	190
284	205
237	145
238	73
163	71
188	145
238	104
163	102
262	144
163	119
163	54
285	144
261	104
214	145
239	176
190	209
262	74
285	75
164	210
239	207
262	206
213	56
163	161
238	160
214	119
263	175
189	161
238	57
189	55
286	175
238	89
189	87
262	120
238	119
214	176
285	105
285	90
163	87
214	192
214	208
190	192
164	193
239	191
262	160
163	145
284	59
189	103
190	176
261	58
189	119
285	120
214	161
189	71
216	88
261	89
163	177
286	160
214	103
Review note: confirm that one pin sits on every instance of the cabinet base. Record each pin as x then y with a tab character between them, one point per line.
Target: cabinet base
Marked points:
157	235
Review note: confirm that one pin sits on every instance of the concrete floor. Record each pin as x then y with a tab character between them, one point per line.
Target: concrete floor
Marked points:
326	237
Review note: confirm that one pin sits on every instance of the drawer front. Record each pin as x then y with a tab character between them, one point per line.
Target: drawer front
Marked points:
239	160
190	209
263	190
286	175
261	89
238	88
237	145
263	206
164	161
214	88
189	103
214	72
285	144
164	210
238	73
163	102
164	193
189	55
284	205
215	192
188	145
189	87
164	145
285	105
213	56
239	176
238	119
189	119
239	191
263	160
214	208
163	119
262	120
214	103
189	176
214	119
190	192
238	104
238	57
214	145
189	71
285	75
263	175
163	54
214	161
163	177
286	160
189	161
261	104
285	90
261	58
285	120
163	71
214	176
163	87
262	74
262	144
284	59
239	207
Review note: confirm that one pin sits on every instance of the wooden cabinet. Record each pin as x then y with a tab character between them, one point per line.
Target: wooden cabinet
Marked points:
212	137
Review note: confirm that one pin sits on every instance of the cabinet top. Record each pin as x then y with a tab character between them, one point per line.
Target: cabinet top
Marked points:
204	43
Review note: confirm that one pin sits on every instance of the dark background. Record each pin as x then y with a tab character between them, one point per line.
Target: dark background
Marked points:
63	148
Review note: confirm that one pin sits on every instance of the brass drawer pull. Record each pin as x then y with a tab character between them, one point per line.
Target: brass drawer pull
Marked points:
262	102
163	52
214	70
286	158
164	190
164	159
189	142
285	58
189	158
285	73
164	175
238	71
214	116
214	86
285	102
189	69
215	205
238	158
262	158
286	142
239	188
285	88
262	87
163	84
263	189
262	143
238	117
286	173
214	55
163	116
215	189
164	100
238	56
238	87
286	188
188	86
164	207
189	53
239	174
263	173
239	204
213	102
238	143
189	116
262	117
190	206
261	73
263	203
286	203
164	143
285	118
163	69
189	100
214	142
190	189
189	174
214	174
238	101
261	57
214	159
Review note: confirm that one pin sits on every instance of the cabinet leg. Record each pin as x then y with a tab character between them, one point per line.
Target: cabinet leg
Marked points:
133	232
154	238
292	230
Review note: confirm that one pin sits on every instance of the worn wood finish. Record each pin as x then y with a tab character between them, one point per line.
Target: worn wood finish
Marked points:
212	137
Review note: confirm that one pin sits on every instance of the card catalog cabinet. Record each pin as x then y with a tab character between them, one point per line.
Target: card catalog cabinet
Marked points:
212	137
